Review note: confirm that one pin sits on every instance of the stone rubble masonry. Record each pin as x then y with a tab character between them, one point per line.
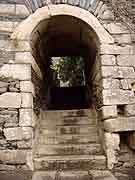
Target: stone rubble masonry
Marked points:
18	133
117	72
126	60
118	97
16	71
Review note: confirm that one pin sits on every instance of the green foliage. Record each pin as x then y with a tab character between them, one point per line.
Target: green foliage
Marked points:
70	70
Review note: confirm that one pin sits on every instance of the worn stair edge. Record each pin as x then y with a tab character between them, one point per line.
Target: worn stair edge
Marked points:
68	139
74	162
69	121
63	175
69	149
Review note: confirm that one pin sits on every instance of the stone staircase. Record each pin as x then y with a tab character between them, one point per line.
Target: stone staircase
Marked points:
68	140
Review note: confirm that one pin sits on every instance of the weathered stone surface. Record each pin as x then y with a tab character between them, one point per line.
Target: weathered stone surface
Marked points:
108	60
27	100
108	112
105	175
130	110
3	90
10	120
111	147
116	28
118	72
18	133
126	60
27	86
24	144
115	49
3	84
120	124
10	100
21	10
16	71
107	15
27	117
109	83
3	144
13	156
6	26
123	38
118	96
7	9
124	84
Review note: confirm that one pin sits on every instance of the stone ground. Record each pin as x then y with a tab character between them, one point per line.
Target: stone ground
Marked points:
120	174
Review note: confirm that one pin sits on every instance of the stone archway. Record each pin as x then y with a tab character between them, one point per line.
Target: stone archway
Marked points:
32	31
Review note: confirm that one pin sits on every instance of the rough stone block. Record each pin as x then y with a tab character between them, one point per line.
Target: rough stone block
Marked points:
16	71
123	38
117	97
107	15
109	83
18	133
13	156
24	144
21	10
117	28
10	100
7	9
26	57
10	120
124	84
111	147
108	112
117	72
6	26
27	117
27	100
116	50
120	124
27	86
126	60
130	110
108	60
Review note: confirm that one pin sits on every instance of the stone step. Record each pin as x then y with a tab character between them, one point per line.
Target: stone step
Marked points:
72	129
69	139
75	120
74	162
69	149
61	175
91	113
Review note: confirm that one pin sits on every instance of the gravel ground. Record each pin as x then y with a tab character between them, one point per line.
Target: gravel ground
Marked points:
15	175
120	174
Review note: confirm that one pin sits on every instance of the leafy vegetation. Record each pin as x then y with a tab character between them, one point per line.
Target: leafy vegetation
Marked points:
70	70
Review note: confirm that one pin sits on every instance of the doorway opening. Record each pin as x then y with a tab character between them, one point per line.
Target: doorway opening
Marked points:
66	50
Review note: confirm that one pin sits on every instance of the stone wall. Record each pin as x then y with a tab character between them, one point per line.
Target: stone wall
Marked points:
113	80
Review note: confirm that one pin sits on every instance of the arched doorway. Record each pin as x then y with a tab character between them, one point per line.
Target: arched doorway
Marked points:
57	31
71	37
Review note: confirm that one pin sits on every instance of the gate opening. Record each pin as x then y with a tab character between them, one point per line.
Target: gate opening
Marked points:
66	50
